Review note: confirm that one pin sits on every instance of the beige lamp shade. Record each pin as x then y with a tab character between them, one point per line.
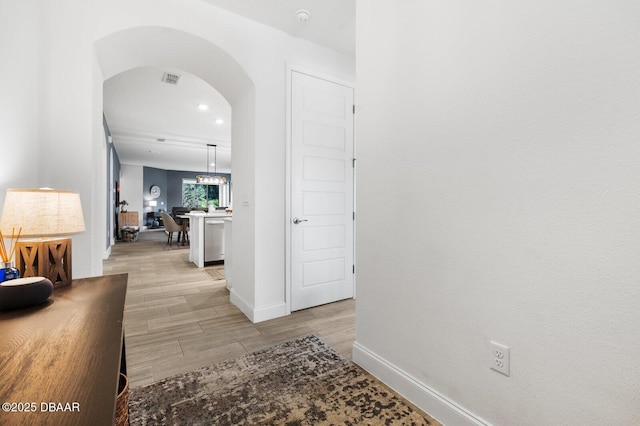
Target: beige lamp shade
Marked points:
42	213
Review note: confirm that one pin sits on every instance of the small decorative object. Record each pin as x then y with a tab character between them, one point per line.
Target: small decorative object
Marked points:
8	271
24	292
122	401
122	204
7	268
155	191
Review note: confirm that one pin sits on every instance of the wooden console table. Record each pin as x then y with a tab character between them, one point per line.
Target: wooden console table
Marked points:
66	352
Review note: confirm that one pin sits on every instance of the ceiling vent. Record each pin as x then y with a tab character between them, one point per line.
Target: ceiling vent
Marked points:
171	78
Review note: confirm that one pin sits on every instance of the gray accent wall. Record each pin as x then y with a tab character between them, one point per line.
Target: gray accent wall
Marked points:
152	176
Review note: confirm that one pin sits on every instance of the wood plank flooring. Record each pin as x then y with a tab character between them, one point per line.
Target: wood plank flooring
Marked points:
177	318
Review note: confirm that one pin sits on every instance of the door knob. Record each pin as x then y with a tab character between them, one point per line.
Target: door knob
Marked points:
297	220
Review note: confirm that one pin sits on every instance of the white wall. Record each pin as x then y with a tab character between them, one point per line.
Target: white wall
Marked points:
243	167
19	100
100	209
69	145
510	132
131	186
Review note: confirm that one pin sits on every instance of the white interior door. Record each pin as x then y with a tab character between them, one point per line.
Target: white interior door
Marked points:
321	191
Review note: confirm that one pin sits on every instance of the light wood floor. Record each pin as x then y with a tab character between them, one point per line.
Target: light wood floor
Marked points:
177	318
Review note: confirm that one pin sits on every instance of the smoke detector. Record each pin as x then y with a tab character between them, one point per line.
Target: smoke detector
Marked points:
170	78
303	15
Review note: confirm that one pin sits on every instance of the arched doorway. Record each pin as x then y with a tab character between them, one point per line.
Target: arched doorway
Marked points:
165	47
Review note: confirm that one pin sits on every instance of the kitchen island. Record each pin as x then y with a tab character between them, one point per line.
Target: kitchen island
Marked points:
206	237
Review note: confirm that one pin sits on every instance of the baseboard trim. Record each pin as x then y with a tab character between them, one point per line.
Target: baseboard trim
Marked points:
256	315
439	407
246	309
106	253
270	312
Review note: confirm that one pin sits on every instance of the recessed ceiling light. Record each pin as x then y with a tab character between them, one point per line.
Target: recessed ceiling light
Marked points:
203	107
219	121
155	152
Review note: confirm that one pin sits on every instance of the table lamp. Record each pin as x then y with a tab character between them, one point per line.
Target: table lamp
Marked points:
42	214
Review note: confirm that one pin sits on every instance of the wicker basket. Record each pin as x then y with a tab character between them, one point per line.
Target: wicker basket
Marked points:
122	402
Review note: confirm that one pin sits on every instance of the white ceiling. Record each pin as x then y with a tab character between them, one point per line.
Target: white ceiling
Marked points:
332	23
159	125
156	124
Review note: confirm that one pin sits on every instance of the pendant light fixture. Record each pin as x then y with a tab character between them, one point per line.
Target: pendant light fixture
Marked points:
215	179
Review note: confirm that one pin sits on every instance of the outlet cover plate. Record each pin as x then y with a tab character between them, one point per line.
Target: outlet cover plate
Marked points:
500	358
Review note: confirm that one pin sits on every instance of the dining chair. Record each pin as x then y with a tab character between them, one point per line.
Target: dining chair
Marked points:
170	226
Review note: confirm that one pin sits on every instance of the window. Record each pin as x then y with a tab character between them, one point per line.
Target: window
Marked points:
202	195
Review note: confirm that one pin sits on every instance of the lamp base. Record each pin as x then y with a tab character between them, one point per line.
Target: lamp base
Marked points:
45	258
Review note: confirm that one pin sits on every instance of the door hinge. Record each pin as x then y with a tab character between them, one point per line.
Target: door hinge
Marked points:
353	163
354	109
354	269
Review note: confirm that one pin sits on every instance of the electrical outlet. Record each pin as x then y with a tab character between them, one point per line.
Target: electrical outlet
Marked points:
500	360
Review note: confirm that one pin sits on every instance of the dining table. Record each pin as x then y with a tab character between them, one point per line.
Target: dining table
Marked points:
184	222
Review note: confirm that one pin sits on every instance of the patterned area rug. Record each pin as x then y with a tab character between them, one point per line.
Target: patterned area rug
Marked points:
301	382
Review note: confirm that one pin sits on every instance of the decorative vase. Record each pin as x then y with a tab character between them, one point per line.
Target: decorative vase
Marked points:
8	271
